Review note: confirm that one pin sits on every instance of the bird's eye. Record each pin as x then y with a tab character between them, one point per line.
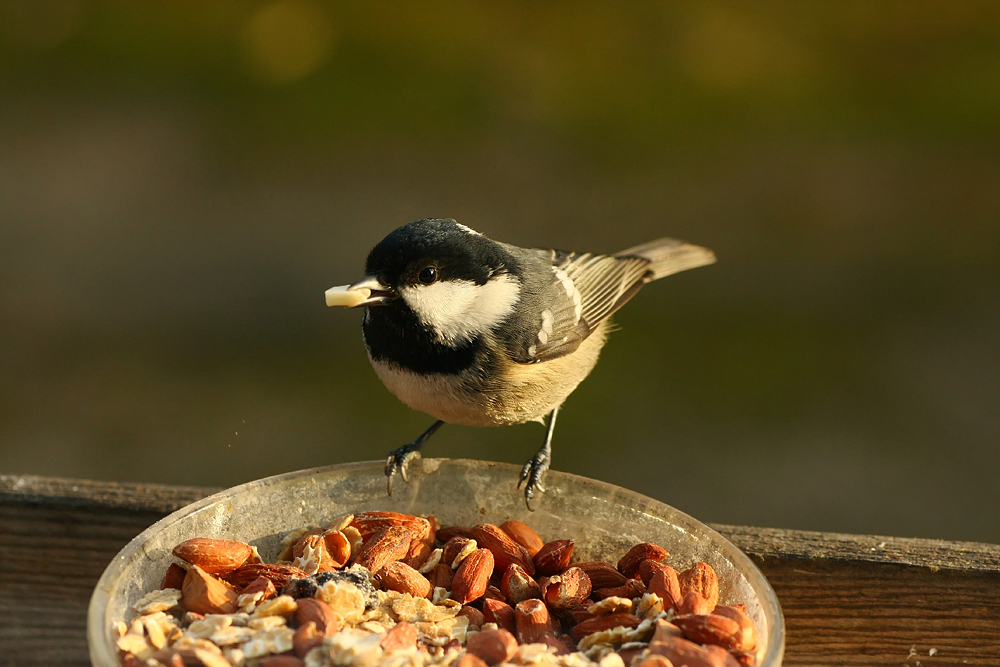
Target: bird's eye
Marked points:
428	275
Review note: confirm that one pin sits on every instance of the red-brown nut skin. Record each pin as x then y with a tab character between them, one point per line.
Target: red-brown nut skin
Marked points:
606	622
441	577
493	646
629	563
474	615
693	603
174	577
710	629
311	610
369	523
400	577
306	638
472	576
524	535
417	555
567	590
532	619
260	585
401	636
554	557
632	588
279	574
501	613
445	533
338	547
701	579
281	661
665	583
505	550
468	658
384	546
602	575
453	547
212	555
683	652
518	586
747	640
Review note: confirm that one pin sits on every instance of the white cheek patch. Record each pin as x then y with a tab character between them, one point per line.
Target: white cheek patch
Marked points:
459	310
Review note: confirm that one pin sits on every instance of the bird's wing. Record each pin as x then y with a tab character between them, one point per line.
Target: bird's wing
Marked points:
585	289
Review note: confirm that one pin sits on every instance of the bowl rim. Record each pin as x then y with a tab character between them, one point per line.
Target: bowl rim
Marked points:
98	626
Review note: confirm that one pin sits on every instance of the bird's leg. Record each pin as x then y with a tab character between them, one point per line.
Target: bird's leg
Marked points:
399	459
536	466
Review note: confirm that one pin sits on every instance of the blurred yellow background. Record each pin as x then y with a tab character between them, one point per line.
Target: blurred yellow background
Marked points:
180	182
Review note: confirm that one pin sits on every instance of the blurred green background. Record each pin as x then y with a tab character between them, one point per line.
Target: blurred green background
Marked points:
179	183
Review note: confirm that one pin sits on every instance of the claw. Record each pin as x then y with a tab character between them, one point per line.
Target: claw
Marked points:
399	461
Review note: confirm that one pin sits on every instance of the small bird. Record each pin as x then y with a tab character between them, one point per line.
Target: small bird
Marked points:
477	332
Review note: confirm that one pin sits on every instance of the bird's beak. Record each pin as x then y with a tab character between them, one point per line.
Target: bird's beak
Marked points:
368	291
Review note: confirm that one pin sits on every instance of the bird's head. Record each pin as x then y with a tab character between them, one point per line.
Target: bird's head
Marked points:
456	282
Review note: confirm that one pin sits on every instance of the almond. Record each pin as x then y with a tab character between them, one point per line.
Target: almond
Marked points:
279	574
387	545
664	631
505	550
417	555
398	576
456	550
652	661
338	546
441	577
709	629
400	637
721	656
532	620
524	535
214	556
517	585
701	579
311	610
747	640
370	523
600	623
568	589
554	557
281	661
744	658
683	652
472	576
602	575
260	585
665	583
493	646
494	593
306	638
474	615
550	638
632	588
693	603
629	563
174	577
468	659
313	542
648	568
204	594
579	613
447	532
501	613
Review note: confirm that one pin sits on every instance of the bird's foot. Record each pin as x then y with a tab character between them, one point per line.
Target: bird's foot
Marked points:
398	461
532	473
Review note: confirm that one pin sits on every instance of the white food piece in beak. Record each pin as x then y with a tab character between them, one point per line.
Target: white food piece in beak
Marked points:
343	295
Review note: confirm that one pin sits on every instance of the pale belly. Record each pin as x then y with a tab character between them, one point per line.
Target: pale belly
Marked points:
524	392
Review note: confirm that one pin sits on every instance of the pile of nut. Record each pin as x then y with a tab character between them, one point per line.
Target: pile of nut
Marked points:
383	589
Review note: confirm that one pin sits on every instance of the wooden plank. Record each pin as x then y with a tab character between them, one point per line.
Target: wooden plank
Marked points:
848	599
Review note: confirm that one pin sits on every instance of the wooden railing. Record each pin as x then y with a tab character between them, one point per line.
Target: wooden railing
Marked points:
847	599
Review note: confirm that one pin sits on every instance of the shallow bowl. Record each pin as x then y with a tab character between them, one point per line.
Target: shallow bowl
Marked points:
603	519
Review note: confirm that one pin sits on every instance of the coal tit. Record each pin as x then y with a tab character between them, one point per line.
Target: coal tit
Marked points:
477	332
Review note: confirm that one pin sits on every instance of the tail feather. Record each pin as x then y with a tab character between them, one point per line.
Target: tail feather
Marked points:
668	256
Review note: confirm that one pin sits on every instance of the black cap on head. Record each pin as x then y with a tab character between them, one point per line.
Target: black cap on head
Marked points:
453	250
